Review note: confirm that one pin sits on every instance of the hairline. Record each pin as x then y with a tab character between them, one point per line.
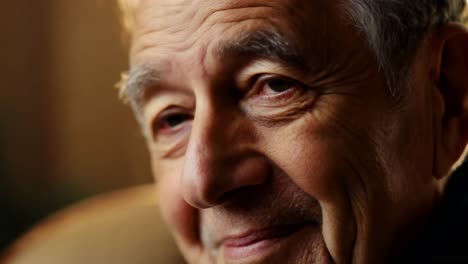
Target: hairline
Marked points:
382	32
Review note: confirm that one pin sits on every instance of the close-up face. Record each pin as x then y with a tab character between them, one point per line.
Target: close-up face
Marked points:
273	135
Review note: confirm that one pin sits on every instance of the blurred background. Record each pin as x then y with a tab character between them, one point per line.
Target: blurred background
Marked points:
64	135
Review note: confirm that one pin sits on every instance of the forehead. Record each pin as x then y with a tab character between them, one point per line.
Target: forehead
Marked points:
178	25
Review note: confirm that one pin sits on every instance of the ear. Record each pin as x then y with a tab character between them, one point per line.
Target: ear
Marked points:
450	47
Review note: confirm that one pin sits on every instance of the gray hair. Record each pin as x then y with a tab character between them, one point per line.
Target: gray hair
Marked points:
394	29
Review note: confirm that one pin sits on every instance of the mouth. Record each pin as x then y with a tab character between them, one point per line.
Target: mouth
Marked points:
257	242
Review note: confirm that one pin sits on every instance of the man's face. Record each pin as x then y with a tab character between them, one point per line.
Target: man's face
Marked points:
272	135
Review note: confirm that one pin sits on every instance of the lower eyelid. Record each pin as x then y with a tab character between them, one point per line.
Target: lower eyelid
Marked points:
278	97
172	149
173	133
268	108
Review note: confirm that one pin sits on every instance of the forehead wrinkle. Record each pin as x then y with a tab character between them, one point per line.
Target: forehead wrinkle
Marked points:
269	43
195	20
156	20
217	15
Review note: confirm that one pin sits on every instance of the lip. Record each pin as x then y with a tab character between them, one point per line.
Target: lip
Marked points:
256	242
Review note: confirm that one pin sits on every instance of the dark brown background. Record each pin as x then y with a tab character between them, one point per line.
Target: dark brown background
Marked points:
64	135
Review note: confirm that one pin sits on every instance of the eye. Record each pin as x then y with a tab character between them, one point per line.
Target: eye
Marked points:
275	87
278	85
274	99
171	122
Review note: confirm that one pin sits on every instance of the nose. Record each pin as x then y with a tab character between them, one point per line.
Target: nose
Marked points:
219	159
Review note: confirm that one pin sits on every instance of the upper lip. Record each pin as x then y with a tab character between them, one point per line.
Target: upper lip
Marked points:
256	235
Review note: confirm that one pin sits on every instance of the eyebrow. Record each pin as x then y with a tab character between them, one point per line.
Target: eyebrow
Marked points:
265	44
135	83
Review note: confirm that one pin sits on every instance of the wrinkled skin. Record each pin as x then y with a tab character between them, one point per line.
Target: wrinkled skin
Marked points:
262	161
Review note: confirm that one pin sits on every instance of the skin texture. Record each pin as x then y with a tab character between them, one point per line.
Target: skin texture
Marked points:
244	144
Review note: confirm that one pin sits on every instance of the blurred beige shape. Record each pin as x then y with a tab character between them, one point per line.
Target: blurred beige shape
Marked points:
123	227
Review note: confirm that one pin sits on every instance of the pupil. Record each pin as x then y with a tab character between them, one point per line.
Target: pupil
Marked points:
175	120
279	85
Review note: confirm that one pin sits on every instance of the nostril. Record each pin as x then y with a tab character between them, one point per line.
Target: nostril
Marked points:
223	198
214	183
236	194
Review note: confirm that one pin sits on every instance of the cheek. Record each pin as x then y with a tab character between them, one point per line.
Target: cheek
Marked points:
317	160
181	218
313	168
308	155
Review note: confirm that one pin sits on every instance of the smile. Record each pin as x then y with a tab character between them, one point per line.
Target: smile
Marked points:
258	242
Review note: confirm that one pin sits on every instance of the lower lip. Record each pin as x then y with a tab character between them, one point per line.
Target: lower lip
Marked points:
259	247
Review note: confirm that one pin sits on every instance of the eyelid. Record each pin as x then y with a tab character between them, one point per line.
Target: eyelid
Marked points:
160	103
155	109
164	114
263	66
259	81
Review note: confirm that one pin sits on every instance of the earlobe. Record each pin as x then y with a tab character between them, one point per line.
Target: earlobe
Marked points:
451	98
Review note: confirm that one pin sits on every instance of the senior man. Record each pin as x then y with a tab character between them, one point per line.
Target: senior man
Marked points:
305	131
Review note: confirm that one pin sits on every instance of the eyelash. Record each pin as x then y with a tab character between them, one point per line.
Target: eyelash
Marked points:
164	119
260	82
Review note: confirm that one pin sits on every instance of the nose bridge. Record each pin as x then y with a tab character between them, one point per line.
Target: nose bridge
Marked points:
211	129
207	152
216	159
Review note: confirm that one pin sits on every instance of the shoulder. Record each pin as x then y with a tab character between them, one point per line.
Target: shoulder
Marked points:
445	240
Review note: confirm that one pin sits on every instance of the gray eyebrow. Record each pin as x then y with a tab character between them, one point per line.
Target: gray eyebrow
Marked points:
268	44
134	84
